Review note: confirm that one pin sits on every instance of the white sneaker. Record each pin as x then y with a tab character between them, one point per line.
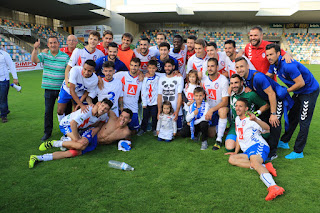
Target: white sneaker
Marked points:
204	145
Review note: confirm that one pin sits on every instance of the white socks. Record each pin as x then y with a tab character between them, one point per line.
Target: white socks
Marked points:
57	144
267	179
60	117
222	125
45	157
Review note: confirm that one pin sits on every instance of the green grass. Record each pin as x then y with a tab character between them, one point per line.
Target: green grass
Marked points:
168	177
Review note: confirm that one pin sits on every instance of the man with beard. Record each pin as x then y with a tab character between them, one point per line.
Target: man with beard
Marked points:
144	54
190	45
131	86
256	51
305	87
213	53
230	66
256	105
111	56
179	52
170	89
277	96
107	38
216	86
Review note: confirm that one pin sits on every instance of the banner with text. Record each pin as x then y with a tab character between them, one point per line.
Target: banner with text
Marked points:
23	66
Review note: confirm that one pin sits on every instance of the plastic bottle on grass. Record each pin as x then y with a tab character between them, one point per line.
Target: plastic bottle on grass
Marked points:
120	165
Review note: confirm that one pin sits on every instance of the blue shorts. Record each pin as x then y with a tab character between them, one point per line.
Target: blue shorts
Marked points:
64	97
214	119
232	133
93	141
65	129
258	149
134	123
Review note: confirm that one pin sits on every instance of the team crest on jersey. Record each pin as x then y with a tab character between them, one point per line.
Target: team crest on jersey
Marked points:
132	89
216	85
222	63
149	57
183	53
263	55
243	122
95	57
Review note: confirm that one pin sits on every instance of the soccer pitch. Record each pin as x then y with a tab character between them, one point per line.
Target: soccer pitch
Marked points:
168	177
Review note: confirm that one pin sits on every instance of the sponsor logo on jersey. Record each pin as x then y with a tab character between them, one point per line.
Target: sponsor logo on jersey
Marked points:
132	89
212	94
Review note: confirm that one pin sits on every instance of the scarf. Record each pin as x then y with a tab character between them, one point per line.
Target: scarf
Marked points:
199	115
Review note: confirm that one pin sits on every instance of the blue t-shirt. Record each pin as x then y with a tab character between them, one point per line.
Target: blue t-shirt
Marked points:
288	72
118	65
160	64
262	82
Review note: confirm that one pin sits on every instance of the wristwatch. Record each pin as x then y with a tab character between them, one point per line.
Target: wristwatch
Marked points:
273	113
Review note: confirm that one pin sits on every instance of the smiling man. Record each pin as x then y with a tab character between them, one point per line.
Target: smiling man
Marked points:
81	80
54	65
111	56
125	54
179	52
305	87
107	38
145	54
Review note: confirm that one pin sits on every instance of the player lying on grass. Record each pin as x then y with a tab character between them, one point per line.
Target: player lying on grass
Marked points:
116	128
72	123
76	143
255	148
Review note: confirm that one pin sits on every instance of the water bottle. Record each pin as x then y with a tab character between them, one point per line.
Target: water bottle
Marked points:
120	165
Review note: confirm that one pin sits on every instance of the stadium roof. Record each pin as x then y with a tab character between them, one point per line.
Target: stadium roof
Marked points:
66	10
195	11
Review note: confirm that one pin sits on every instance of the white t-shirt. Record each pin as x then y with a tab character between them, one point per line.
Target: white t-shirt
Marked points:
111	90
149	91
221	64
216	89
169	88
188	91
155	49
248	133
166	126
196	63
231	66
81	83
145	59
181	58
131	87
83	119
79	56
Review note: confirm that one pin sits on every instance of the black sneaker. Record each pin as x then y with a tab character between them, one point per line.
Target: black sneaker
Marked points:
4	119
217	145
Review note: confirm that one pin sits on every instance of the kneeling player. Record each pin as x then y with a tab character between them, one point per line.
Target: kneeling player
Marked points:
255	148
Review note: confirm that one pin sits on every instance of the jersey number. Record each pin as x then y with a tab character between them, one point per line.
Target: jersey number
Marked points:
240	132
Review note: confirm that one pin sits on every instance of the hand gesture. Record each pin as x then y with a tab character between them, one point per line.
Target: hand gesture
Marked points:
252	116
37	44
196	111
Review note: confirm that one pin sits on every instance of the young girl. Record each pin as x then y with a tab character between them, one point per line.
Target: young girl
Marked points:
193	81
166	126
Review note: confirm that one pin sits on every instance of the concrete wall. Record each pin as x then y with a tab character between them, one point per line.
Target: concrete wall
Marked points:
131	27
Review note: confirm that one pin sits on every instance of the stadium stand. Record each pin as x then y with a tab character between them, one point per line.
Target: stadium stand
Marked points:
304	44
41	30
16	53
220	37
